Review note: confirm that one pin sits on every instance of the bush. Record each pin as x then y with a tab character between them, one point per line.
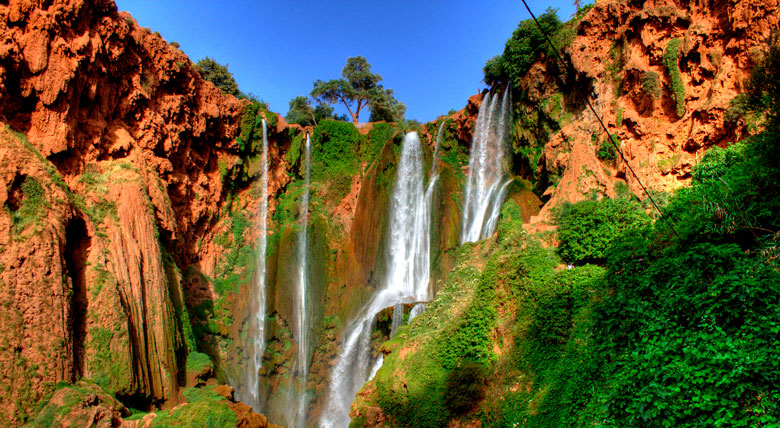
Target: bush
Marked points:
219	75
650	84
494	70
465	387
671	56
527	42
586	229
334	154
607	150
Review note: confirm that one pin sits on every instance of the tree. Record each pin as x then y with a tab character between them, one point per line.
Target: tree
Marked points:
302	113
357	89
219	75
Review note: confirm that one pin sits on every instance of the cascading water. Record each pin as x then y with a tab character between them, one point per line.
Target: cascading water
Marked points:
487	183
406	281
249	391
302	329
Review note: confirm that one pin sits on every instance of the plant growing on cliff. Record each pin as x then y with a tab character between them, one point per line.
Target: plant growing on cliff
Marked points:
359	88
650	84
522	50
219	75
671	57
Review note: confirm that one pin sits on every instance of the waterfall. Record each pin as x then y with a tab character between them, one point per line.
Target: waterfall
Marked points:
406	281
251	389
416	311
302	330
487	182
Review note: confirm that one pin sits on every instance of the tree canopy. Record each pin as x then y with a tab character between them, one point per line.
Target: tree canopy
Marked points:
357	89
302	113
219	75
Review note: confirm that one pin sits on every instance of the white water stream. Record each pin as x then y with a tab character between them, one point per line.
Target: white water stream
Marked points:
487	181
406	281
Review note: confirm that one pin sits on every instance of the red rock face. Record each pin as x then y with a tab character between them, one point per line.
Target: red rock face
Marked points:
119	119
719	40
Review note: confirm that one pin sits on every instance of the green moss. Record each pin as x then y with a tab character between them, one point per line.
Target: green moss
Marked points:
205	408
296	141
334	156
32	207
106	369
670	59
197	362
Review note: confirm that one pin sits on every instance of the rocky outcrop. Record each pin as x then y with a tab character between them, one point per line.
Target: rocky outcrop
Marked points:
112	184
618	55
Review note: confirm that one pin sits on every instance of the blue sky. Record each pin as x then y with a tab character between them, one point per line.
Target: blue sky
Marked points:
430	52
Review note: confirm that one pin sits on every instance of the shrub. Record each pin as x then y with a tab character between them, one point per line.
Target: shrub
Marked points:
650	84
607	150
526	44
586	229
464	387
671	56
334	154
494	70
218	74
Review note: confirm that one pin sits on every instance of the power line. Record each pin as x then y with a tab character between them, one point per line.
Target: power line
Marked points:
612	139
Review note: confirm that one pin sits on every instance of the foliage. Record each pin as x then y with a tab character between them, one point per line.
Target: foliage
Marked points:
357	89
32	206
334	154
302	113
218	74
197	362
607	150
494	70
526	44
204	408
670	59
379	134
764	84
465	387
650	84
586	229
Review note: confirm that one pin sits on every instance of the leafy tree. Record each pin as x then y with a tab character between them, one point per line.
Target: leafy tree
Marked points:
494	70
219	75
302	112
357	89
527	43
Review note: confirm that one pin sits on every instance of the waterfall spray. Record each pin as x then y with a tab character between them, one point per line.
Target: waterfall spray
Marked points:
487	182
406	281
250	392
302	360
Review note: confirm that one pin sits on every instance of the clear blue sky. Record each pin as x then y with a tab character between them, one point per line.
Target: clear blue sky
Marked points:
430	52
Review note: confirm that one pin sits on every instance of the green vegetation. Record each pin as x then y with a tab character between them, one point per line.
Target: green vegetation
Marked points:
204	408
586	230
522	50
607	151
334	155
671	58
360	88
616	62
219	75
676	329
302	113
31	208
109	370
527	44
651	84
